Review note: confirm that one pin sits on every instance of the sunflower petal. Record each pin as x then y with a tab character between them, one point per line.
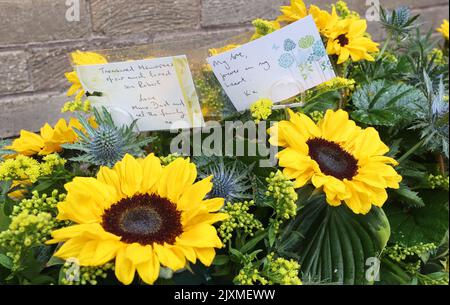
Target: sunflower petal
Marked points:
124	268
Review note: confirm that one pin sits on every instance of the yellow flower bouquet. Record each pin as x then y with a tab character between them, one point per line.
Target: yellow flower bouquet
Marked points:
344	183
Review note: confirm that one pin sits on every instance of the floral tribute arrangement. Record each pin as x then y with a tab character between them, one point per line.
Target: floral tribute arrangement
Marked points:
359	194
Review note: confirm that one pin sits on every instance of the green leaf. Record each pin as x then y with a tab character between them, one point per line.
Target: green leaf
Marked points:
4	220
221	260
380	103
427	224
335	242
409	197
253	242
5	261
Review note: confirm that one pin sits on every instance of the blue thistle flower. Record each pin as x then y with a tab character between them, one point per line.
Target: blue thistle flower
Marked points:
230	181
107	144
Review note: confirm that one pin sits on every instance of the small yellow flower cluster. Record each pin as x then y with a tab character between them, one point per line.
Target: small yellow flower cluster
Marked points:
38	204
86	275
261	109
212	103
169	159
399	253
317	115
282	271
275	271
239	219
438	55
264	27
77	105
217	51
438	181
249	275
25	231
282	190
344	12
50	163
390	57
336	84
26	168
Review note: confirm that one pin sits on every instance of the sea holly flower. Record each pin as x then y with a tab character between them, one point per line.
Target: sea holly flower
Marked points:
107	143
335	155
142	215
230	181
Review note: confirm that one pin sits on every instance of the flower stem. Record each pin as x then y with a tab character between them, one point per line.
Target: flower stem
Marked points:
386	44
411	151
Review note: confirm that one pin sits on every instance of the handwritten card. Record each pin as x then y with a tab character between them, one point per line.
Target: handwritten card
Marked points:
277	66
157	92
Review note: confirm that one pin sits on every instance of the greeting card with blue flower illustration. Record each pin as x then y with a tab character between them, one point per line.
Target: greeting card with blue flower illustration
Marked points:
277	66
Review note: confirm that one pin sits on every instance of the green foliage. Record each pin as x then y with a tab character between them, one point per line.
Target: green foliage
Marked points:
333	244
428	224
385	104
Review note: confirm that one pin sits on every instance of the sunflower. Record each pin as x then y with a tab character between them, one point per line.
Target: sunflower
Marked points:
142	215
346	161
296	11
444	29
48	141
325	21
215	52
80	59
347	39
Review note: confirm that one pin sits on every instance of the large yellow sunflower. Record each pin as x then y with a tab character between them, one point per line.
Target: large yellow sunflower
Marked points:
291	13
325	21
143	215
80	59
444	29
48	141
346	161
347	40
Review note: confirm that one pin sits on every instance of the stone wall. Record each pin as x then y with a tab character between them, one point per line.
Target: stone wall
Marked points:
35	38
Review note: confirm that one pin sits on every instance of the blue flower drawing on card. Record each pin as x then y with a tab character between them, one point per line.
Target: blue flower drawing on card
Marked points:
289	45
319	49
318	52
286	60
306	42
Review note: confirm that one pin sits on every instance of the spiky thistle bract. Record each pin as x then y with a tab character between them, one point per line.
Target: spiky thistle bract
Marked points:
108	143
231	179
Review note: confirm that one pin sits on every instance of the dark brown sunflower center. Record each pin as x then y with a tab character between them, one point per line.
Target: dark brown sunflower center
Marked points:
333	160
343	40
144	219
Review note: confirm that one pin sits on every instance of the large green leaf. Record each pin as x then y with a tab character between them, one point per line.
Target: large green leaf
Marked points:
333	244
380	103
411	226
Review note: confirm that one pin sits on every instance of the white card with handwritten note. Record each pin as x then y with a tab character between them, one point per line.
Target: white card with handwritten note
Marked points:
277	66
158	93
